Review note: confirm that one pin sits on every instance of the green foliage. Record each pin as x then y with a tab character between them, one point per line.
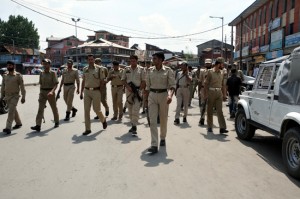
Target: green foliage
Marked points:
20	30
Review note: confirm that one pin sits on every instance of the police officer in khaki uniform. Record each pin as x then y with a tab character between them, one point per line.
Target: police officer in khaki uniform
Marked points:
160	87
48	84
115	75
203	101
12	83
135	74
183	80
215	94
92	81
69	76
145	99
103	90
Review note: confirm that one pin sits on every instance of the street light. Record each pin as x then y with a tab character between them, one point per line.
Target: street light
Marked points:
76	20
222	32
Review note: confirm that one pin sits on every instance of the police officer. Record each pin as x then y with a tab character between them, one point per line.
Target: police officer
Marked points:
191	84
103	90
183	80
69	76
214	92
136	75
12	83
159	90
203	101
48	84
115	75
145	99
92	80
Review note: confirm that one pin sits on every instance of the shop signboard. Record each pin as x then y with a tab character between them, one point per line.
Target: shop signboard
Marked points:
292	40
264	48
274	54
276	40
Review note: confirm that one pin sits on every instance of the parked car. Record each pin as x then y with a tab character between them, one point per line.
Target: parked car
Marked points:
248	83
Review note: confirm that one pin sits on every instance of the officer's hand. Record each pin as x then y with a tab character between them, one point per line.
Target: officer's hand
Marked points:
81	96
129	88
50	93
169	100
23	100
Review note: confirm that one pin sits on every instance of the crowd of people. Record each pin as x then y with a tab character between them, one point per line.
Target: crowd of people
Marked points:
151	87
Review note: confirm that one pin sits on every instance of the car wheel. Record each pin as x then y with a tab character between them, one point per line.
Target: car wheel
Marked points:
244	130
291	151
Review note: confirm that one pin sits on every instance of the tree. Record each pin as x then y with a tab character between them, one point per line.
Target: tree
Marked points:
20	31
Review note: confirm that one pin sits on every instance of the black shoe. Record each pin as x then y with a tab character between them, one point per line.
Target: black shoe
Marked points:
106	113
7	131
209	130
176	121
104	124
133	130
162	143
36	128
114	118
74	110
143	112
232	116
17	126
87	132
96	118
184	119
56	124
153	149
67	116
124	110
223	130
201	122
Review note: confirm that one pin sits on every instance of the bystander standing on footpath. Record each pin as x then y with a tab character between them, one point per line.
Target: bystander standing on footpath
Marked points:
233	87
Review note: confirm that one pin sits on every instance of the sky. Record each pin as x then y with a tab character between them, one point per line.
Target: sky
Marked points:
144	21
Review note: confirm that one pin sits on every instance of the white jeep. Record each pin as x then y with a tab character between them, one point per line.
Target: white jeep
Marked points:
273	105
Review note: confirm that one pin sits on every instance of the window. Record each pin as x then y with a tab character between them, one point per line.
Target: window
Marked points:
271	12
276	8
291	29
292	4
265	15
284	6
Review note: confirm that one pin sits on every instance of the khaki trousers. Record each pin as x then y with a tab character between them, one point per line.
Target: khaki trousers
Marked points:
104	98
157	104
215	99
92	97
117	98
69	96
203	104
133	108
43	98
182	95
12	101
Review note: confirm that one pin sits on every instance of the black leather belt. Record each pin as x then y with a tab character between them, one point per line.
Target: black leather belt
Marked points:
46	89
158	90
115	86
91	89
68	84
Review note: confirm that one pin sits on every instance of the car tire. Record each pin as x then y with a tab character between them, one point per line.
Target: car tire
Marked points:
243	128
291	151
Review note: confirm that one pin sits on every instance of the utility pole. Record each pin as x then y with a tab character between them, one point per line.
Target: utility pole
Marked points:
76	20
222	32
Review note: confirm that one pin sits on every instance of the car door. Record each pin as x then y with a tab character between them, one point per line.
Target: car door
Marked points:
261	97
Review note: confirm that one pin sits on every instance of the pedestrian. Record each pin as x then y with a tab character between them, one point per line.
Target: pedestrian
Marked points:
160	87
12	83
134	80
214	92
233	84
255	71
69	76
92	80
183	81
203	101
48	84
115	75
103	90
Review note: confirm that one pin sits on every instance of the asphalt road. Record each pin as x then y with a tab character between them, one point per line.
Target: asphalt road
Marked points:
61	163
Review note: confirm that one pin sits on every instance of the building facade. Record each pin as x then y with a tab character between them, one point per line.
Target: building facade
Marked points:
108	36
267	29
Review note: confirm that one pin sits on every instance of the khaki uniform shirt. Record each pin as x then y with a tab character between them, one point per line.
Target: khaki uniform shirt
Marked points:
105	70
48	79
202	75
160	79
118	76
182	81
70	76
92	75
214	79
12	84
135	76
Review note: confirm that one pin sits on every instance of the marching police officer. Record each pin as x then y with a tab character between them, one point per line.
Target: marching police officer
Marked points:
12	83
69	76
214	92
160	86
115	75
92	81
48	84
183	80
134	74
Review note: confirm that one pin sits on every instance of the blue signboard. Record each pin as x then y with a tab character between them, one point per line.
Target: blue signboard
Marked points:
263	49
276	40
292	40
275	23
274	54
